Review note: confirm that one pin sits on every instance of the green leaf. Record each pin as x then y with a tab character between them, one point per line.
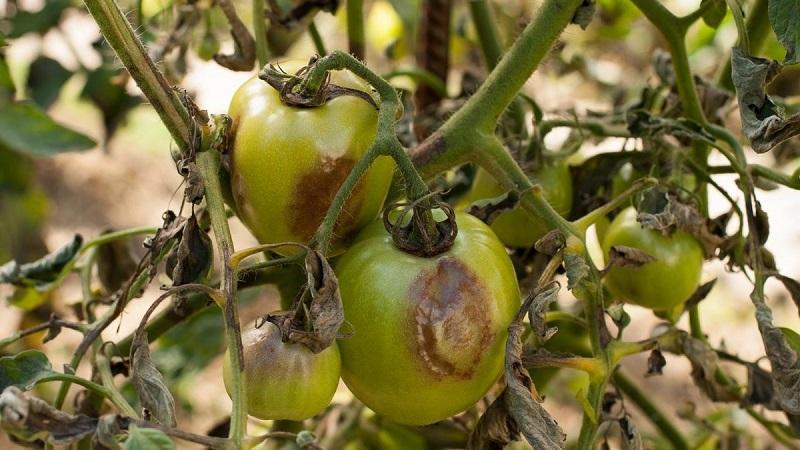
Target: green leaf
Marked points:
784	15
715	13
103	89
24	369
43	271
38	21
147	439
27	129
45	79
762	120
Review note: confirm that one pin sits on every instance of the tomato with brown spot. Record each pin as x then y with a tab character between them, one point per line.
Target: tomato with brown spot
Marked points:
288	162
428	333
284	380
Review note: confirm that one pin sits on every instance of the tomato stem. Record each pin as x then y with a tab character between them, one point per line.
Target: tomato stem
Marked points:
355	27
208	162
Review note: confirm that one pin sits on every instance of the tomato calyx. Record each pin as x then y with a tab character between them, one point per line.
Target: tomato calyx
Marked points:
292	93
421	235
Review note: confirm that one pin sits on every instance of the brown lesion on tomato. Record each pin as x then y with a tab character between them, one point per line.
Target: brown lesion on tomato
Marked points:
313	194
449	321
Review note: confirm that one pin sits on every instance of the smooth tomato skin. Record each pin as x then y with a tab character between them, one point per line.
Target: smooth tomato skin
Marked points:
285	380
516	228
288	163
659	285
428	333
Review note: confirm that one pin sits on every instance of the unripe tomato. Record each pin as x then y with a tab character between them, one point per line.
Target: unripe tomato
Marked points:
516	228
284	380
429	333
661	284
289	162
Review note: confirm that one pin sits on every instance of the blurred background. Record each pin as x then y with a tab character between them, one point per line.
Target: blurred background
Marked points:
129	179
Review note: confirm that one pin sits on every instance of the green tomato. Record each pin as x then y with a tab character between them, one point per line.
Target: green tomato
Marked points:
284	380
429	333
516	228
662	284
288	162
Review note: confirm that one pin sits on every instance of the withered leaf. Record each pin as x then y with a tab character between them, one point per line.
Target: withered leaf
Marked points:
487	210
518	409
762	120
782	357
153	393
664	212
538	308
550	243
655	363
317	324
759	387
29	419
43	271
577	270
700	294
191	260
631	439
628	257
705	363
195	186
761	224
791	285
108	428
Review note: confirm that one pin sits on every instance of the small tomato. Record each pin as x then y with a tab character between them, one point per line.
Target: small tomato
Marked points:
285	380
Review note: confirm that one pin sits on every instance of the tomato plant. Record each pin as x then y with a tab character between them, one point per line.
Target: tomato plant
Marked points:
516	228
288	162
285	380
450	320
429	333
661	284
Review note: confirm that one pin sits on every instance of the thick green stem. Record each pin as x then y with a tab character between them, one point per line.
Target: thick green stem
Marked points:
208	162
653	413
120	35
355	28
260	31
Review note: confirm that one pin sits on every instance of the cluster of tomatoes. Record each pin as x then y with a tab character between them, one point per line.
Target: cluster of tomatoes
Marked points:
428	333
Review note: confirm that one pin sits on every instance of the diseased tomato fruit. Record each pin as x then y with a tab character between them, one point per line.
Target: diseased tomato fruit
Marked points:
289	162
285	380
429	333
661	284
516	228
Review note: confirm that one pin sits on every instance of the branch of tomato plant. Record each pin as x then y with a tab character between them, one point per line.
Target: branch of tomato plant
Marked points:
118	32
209	165
355	28
53	322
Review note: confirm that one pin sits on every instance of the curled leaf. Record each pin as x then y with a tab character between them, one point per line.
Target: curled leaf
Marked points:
191	260
550	243
30	419
108	428
784	360
655	363
791	285
577	270
762	120
628	257
487	210
150	386
43	271
665	212
314	325
538	308
518	409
